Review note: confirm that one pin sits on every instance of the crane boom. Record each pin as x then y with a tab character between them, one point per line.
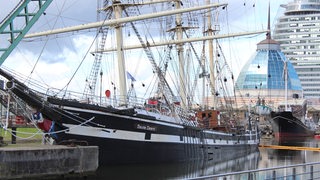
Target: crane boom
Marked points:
15	34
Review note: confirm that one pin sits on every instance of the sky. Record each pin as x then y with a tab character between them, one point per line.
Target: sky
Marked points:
54	60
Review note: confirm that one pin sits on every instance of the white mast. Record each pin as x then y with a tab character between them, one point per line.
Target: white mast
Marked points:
180	50
203	75
119	21
286	85
121	62
211	60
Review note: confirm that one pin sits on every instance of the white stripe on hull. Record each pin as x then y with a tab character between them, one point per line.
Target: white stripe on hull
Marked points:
140	136
140	119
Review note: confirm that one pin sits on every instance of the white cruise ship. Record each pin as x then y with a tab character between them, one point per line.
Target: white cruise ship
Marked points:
297	30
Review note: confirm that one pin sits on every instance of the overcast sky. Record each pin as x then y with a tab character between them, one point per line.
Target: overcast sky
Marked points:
59	59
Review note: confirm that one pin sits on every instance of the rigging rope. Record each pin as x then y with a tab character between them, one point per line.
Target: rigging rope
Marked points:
42	50
28	114
14	132
78	67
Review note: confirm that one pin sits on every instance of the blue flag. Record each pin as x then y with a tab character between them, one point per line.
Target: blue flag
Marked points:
129	76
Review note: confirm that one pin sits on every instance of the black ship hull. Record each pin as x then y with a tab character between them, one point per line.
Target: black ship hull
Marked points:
285	125
128	138
115	151
130	135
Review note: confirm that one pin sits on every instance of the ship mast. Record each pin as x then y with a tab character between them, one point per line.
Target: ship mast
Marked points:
180	50
120	55
118	9
286	85
211	58
210	41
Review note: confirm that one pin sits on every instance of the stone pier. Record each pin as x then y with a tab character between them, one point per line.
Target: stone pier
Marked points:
38	161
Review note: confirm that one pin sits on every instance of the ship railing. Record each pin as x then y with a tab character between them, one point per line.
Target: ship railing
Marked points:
114	101
297	171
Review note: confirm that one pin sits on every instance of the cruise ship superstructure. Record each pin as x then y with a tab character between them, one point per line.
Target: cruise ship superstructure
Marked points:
297	30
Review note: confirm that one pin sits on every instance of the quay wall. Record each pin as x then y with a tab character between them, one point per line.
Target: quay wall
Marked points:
46	161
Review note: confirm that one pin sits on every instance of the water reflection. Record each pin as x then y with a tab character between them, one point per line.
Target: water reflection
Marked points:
263	158
178	170
279	157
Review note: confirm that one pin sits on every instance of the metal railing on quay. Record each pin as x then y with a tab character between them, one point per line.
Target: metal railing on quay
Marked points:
304	171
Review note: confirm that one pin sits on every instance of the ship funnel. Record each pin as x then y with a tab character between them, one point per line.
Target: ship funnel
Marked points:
10	85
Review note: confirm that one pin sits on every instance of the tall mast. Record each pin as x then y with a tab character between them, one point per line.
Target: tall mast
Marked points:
211	59
180	49
120	55
211	54
204	71
269	33
286	85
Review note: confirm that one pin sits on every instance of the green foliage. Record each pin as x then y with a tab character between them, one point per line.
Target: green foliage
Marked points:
22	134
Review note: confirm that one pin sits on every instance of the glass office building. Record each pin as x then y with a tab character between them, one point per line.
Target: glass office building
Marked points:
298	32
264	74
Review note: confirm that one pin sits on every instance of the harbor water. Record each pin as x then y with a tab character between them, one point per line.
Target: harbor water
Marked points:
263	158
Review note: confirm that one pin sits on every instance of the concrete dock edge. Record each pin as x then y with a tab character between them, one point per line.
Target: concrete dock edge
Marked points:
47	160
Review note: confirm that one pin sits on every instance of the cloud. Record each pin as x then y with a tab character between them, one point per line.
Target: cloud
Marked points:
52	70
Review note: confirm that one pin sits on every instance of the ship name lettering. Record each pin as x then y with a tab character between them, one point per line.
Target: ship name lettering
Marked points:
146	127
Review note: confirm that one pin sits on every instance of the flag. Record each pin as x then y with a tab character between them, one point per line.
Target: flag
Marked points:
129	76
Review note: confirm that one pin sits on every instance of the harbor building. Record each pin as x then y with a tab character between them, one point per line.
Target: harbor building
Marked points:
268	82
268	76
271	79
297	31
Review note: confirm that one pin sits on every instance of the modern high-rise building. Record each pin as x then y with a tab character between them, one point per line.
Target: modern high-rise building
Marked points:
298	32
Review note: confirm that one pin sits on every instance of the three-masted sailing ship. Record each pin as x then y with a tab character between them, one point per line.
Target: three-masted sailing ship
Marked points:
168	126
